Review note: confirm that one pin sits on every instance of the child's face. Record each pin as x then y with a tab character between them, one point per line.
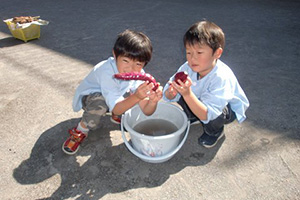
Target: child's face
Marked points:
126	64
201	58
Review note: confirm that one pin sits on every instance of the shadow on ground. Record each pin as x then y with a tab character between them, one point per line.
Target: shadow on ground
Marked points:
261	43
108	169
10	41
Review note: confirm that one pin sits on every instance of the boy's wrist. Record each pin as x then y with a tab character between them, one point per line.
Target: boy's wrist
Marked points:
187	94
137	96
153	102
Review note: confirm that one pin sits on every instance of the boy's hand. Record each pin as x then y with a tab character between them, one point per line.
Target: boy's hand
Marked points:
144	90
183	88
157	95
172	91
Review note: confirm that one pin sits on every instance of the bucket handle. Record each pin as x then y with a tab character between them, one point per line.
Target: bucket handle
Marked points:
168	155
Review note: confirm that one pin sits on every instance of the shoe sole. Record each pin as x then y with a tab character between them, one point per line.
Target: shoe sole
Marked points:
211	146
110	114
69	153
113	121
72	153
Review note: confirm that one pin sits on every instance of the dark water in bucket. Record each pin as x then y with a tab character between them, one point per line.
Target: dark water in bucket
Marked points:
155	127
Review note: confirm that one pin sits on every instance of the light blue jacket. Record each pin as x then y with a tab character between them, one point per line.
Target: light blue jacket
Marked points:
101	79
218	88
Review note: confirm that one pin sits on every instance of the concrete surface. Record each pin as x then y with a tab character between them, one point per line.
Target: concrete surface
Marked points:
258	159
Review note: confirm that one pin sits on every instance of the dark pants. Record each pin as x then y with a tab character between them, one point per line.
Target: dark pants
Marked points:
214	127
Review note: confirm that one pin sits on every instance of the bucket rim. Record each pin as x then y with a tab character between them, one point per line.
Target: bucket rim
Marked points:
171	135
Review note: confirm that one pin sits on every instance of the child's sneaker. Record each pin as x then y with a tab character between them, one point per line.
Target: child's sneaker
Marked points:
115	119
209	141
71	145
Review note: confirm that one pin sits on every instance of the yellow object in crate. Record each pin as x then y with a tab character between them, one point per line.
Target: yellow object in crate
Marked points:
25	28
25	34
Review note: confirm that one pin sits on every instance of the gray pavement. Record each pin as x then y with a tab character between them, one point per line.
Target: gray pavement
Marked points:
258	159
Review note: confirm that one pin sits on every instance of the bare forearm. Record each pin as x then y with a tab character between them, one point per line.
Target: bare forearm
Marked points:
126	104
148	107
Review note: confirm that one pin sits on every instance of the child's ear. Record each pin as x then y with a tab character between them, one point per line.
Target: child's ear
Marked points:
113	54
218	53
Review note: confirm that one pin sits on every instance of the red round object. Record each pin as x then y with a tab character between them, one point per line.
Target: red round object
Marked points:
181	76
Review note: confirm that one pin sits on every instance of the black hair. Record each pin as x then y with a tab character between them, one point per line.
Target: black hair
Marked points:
205	32
135	45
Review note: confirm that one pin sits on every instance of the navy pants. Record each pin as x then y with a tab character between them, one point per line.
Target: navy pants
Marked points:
214	127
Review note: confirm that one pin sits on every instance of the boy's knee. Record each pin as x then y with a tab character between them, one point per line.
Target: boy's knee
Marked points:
94	108
92	118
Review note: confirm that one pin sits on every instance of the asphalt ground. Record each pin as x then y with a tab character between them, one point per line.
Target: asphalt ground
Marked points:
258	159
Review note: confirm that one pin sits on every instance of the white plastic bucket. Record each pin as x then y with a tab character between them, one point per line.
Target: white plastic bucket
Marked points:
155	149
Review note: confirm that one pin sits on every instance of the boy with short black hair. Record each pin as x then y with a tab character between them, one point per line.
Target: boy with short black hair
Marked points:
211	95
100	92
